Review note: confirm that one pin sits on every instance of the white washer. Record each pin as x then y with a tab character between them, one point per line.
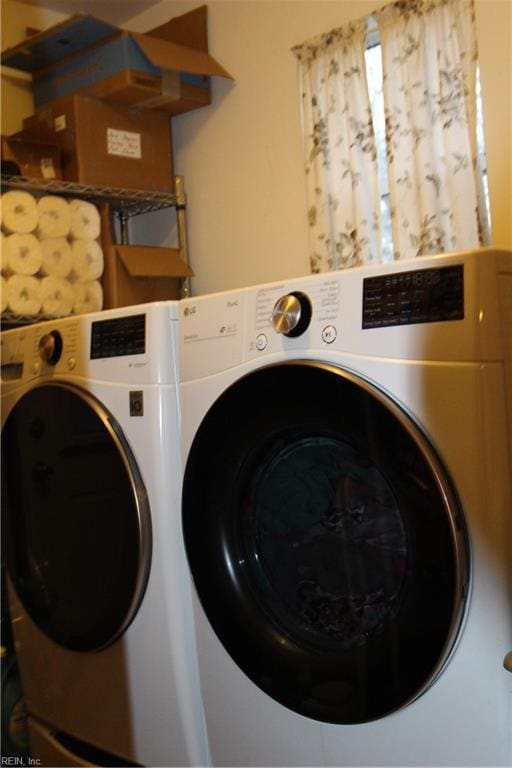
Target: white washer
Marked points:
99	589
346	513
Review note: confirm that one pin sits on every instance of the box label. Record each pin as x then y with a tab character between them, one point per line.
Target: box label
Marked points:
59	124
47	169
124	143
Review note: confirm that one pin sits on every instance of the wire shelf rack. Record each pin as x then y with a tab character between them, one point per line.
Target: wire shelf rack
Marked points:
125	202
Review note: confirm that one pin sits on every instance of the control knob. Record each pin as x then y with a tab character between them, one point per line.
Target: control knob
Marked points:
50	347
292	314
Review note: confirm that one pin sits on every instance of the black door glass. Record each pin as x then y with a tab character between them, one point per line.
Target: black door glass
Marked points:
78	527
327	544
328	553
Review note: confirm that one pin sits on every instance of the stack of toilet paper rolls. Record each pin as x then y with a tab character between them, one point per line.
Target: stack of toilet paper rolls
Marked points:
51	259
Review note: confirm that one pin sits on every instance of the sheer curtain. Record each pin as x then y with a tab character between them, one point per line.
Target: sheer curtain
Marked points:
431	160
340	154
429	60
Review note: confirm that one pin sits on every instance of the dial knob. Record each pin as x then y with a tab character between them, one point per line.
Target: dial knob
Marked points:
50	347
292	314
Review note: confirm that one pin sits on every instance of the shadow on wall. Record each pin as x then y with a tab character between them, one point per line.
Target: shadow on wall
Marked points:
188	126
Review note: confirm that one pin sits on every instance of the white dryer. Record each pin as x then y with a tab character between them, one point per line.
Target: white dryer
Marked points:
347	514
100	594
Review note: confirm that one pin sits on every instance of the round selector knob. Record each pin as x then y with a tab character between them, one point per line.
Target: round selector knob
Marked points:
50	347
292	314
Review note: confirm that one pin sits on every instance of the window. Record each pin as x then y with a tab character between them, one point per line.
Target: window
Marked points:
373	60
374	75
394	166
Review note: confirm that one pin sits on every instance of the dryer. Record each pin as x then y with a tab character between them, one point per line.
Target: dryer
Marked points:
99	591
346	513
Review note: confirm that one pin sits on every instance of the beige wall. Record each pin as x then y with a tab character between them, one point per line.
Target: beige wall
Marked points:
242	156
494	25
16	95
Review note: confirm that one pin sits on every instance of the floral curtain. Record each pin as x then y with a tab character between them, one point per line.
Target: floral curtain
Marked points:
429	59
340	154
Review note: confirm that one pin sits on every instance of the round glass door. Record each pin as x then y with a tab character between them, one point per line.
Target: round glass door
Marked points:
325	541
78	529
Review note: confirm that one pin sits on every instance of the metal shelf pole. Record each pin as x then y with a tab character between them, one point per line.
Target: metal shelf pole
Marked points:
181	215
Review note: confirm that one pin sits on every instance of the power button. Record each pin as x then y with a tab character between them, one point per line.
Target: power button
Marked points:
329	334
261	342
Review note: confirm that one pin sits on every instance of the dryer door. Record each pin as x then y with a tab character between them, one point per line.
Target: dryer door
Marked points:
325	541
78	522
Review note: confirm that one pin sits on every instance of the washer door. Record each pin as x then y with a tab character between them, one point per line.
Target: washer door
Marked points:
325	541
77	514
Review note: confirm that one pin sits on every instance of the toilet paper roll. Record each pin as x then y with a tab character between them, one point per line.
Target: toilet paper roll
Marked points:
85	223
23	295
19	212
57	296
87	259
56	258
22	254
54	216
88	297
3	294
4	267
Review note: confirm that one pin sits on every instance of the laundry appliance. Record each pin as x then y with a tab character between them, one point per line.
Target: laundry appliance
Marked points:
347	514
100	594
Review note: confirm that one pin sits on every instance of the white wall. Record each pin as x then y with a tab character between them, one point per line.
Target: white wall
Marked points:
242	156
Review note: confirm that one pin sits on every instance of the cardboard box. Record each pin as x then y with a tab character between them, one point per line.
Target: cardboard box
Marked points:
89	56
170	92
33	157
107	144
136	274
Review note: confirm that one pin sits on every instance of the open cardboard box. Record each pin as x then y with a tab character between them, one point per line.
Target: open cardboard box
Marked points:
167	68
136	274
34	157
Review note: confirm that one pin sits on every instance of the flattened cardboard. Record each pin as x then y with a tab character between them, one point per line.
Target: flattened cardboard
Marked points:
75	55
189	29
167	55
151	261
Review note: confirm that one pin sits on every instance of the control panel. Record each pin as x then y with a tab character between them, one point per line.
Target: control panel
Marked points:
439	307
310	312
134	348
416	296
118	337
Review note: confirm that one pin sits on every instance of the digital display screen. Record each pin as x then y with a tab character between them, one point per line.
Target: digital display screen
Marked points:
118	337
417	296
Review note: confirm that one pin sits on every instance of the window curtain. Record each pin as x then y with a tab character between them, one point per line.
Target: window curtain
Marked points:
429	60
342	180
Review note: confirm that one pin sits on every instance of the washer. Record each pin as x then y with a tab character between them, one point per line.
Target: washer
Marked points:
346	513
99	589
